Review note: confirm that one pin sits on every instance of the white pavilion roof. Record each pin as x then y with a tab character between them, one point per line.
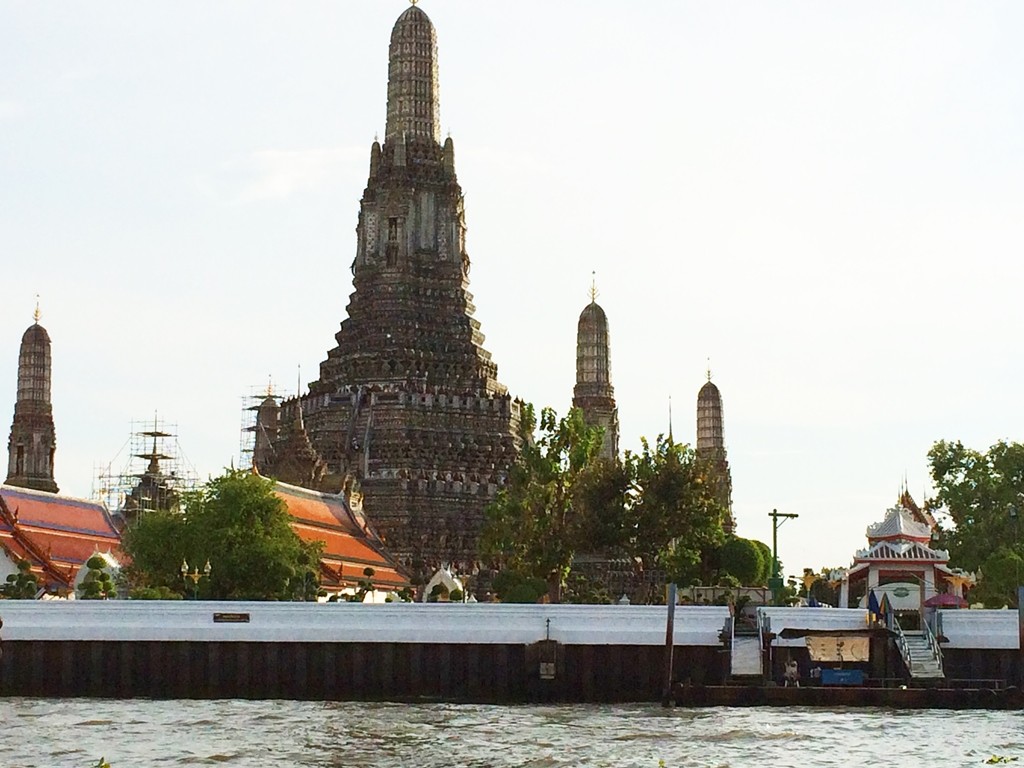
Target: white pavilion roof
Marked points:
899	522
902	550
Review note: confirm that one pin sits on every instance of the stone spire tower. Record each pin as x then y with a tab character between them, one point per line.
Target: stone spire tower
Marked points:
711	445
33	441
594	393
407	409
414	109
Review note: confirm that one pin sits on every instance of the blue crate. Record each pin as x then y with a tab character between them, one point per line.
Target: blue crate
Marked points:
842	677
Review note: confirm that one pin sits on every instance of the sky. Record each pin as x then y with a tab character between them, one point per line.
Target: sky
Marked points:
824	200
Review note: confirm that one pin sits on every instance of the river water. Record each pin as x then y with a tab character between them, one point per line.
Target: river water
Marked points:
136	733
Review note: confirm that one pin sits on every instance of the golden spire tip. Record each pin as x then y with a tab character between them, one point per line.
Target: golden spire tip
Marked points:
37	314
593	287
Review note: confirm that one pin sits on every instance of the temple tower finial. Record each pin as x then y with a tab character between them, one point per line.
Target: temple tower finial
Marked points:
37	315
32	444
711	446
594	393
413	102
593	287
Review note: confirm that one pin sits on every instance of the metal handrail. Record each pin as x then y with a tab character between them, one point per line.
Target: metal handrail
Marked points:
933	643
901	644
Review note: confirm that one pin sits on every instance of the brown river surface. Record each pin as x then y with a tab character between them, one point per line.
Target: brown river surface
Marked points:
135	733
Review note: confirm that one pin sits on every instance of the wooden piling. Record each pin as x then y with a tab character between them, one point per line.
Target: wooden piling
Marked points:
666	688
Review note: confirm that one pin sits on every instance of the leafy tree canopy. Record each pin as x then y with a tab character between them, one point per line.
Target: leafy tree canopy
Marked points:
983	495
743	559
538	519
673	516
561	499
237	524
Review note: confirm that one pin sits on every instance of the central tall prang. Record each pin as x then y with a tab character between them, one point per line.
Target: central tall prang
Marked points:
407	411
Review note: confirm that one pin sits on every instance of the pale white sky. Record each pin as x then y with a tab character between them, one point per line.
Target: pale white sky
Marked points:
825	199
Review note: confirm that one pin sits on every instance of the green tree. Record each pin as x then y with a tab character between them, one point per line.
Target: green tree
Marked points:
237	524
538	520
741	558
766	563
154	593
674	519
983	495
98	584
156	543
22	585
604	492
364	587
656	506
514	587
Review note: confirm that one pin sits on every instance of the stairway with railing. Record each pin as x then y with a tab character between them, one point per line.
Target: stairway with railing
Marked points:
745	657
920	651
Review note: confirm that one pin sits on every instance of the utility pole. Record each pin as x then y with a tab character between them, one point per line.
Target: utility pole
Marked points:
775	582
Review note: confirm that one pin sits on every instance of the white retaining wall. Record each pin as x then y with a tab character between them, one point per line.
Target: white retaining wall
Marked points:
980	629
485	623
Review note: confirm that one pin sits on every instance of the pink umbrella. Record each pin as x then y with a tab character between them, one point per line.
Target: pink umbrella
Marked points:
945	600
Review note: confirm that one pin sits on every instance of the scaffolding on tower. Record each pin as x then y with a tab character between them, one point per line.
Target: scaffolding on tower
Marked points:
149	472
251	403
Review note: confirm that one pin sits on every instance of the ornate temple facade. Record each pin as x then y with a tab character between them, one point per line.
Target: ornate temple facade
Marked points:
33	441
407	410
594	393
711	446
900	562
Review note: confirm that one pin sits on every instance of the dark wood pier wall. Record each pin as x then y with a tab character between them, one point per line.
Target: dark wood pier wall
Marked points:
348	671
984	664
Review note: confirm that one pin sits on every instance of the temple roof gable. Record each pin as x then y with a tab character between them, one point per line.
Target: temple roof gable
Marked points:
899	523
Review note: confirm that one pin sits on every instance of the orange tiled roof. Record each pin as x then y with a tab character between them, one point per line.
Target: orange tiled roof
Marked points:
350	545
57	534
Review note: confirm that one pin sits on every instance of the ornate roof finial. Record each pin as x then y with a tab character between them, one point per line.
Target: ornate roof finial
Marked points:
413	2
671	442
593	287
709	369
37	314
270	385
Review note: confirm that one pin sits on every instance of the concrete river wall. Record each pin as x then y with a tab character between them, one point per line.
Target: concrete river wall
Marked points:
481	652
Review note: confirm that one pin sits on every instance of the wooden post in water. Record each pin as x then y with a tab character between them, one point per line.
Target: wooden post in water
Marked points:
670	631
1020	635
